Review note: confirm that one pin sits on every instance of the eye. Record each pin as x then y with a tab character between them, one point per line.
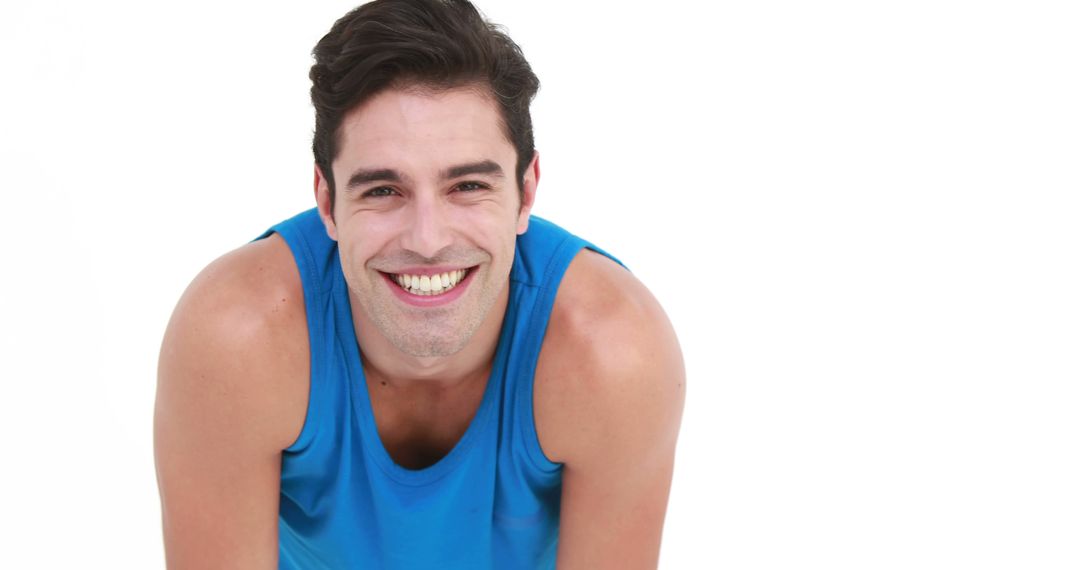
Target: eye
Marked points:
379	192
470	186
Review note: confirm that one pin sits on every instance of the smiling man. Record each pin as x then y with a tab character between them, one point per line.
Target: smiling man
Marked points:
417	373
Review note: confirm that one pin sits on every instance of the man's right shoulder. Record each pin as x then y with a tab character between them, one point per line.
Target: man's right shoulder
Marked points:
252	283
240	331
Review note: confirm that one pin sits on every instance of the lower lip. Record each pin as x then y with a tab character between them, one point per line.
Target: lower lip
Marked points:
431	300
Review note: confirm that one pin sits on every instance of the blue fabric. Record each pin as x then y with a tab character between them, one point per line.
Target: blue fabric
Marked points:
492	502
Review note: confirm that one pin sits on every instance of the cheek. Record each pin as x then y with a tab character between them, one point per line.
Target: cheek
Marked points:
357	248
497	233
498	217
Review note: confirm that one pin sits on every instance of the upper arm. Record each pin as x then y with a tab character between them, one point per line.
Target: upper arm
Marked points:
611	409
225	408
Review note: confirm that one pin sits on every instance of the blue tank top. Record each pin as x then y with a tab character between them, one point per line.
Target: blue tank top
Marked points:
491	502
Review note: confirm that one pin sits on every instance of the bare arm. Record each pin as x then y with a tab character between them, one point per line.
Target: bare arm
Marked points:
613	415
224	412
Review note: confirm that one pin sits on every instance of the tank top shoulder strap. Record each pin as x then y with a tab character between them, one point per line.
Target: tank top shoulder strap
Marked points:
544	252
314	251
316	259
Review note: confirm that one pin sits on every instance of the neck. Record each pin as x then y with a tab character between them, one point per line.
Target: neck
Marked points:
386	363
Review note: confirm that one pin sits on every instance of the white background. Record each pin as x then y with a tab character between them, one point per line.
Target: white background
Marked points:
860	216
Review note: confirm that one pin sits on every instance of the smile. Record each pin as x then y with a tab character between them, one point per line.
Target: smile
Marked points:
429	285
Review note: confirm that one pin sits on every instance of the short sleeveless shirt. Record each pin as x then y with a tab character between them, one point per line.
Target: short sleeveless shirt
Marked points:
491	502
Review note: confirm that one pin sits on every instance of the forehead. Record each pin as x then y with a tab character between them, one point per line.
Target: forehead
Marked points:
418	126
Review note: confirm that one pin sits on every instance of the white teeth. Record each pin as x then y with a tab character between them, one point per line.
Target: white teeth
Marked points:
430	284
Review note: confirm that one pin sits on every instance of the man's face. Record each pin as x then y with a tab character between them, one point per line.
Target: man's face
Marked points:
426	216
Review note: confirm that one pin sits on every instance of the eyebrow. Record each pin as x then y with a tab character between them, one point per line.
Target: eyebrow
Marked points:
364	176
488	167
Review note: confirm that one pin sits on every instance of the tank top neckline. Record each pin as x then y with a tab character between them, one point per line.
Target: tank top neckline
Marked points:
361	398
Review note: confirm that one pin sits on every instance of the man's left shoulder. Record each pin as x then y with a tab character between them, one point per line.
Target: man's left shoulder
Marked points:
610	358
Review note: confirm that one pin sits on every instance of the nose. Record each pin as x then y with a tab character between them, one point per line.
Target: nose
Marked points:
427	232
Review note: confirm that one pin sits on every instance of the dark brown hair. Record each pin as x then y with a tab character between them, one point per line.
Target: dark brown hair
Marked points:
433	44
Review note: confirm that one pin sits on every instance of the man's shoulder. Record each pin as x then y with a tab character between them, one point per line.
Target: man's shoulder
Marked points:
597	296
240	330
250	292
608	349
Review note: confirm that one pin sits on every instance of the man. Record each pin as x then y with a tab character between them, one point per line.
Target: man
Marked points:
417	373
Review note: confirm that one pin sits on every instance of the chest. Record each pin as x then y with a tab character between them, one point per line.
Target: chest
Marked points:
419	427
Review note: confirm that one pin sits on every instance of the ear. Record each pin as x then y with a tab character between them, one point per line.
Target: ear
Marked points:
322	199
528	192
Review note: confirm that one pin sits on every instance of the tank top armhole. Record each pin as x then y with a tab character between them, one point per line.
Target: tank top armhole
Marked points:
314	299
565	253
538	321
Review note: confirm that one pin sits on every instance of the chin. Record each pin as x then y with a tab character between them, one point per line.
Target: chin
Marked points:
430	346
427	333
